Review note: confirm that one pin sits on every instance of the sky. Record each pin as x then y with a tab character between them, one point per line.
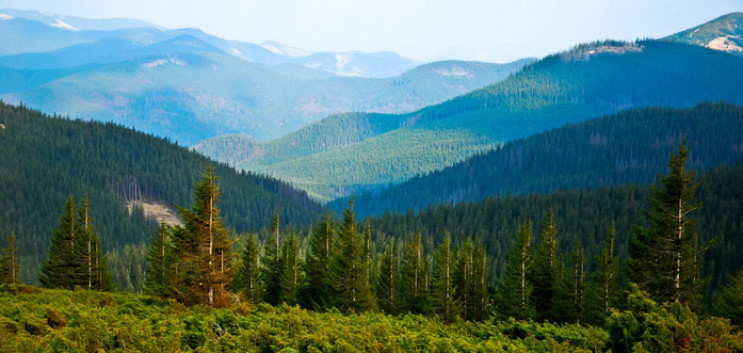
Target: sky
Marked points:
425	30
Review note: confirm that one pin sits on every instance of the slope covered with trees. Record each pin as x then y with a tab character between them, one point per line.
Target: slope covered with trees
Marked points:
585	82
46	159
629	147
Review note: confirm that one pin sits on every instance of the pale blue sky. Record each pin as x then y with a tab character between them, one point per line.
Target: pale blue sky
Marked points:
489	30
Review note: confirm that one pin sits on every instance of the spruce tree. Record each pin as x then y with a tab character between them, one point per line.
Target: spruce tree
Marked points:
513	294
442	287
159	279
463	277
9	262
271	269
569	301
665	259
349	267
211	250
413	291
604	281
246	281
93	265
290	274
387	292
479	286
317	291
546	268
62	269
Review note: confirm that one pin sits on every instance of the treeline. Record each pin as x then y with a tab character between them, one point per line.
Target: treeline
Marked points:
46	159
629	147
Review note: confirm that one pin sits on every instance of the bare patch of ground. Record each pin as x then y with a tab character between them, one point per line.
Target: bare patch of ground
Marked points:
724	44
156	211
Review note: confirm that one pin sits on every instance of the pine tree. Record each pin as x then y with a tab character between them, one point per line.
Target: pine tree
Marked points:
479	286
61	268
93	265
290	275
729	303
271	270
665	259
462	277
442	287
246	280
317	291
349	267
513	293
212	262
413	291
159	279
9	262
604	281
569	301
546	269
388	295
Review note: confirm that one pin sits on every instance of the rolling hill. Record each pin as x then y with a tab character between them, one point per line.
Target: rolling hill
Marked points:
723	33
629	147
127	175
585	82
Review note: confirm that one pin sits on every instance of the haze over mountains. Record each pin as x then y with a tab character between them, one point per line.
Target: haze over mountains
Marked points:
187	85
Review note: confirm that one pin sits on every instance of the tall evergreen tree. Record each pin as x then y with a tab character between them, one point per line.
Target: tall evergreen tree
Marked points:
665	259
212	259
388	295
61	268
469	281
546	268
159	279
92	263
513	294
317	291
9	262
442	287
290	274
604	281
271	269
246	280
479	285
413	290
349	267
569	301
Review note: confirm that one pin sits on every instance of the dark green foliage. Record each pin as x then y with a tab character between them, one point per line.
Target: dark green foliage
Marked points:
317	289
413	278
54	157
9	271
61	268
291	275
271	265
630	147
161	263
246	281
568	304
387	283
469	278
664	256
94	273
442	286
513	294
729	303
349	267
546	269
602	288
649	327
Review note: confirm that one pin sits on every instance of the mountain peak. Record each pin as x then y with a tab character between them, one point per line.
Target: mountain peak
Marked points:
724	33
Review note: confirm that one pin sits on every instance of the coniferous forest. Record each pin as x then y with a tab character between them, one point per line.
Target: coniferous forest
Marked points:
588	201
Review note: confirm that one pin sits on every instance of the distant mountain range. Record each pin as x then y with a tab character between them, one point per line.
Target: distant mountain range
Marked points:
361	152
723	33
188	86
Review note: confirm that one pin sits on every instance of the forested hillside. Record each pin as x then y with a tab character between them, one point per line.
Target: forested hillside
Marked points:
46	159
579	84
629	147
581	217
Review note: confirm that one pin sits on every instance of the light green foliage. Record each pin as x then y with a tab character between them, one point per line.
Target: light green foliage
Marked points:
649	327
45	320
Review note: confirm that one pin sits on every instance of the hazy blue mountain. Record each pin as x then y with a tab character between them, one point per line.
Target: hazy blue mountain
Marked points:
358	152
723	33
77	23
629	147
189	90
